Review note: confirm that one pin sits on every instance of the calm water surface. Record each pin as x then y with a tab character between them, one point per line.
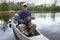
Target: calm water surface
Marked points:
48	24
7	34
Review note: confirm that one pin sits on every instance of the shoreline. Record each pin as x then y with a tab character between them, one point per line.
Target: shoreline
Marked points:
12	12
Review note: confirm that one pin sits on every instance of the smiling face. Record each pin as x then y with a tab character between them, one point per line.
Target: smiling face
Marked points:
25	8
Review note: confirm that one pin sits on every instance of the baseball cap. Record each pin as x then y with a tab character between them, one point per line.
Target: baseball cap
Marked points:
25	5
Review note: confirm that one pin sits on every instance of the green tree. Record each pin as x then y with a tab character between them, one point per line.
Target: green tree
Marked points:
4	7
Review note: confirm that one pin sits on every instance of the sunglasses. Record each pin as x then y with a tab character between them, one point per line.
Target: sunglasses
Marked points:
25	6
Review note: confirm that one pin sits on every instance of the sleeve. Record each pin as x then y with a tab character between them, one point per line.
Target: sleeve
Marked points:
20	15
29	14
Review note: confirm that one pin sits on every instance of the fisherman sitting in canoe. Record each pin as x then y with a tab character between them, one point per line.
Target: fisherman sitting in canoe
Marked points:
24	22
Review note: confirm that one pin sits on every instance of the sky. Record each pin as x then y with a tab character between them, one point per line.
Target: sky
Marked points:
37	2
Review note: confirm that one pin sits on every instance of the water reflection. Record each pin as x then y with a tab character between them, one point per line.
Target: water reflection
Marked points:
53	16
48	24
6	33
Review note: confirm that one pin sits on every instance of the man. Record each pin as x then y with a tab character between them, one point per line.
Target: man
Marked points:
25	18
25	14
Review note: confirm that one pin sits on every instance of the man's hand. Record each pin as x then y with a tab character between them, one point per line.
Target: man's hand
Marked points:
21	21
29	19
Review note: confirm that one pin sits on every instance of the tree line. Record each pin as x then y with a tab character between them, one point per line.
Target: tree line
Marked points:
11	6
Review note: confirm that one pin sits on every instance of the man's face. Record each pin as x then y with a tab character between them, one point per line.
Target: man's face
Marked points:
25	8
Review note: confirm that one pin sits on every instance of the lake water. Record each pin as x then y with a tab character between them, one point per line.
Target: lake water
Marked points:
48	24
7	34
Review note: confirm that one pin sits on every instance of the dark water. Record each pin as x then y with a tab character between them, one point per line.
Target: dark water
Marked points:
48	24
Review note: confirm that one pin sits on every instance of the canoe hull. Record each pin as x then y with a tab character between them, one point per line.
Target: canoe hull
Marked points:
19	35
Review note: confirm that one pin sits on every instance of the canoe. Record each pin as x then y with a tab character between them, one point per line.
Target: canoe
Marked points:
20	36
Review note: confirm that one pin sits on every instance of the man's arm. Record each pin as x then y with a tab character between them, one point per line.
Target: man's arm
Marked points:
21	21
20	15
29	17
29	14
